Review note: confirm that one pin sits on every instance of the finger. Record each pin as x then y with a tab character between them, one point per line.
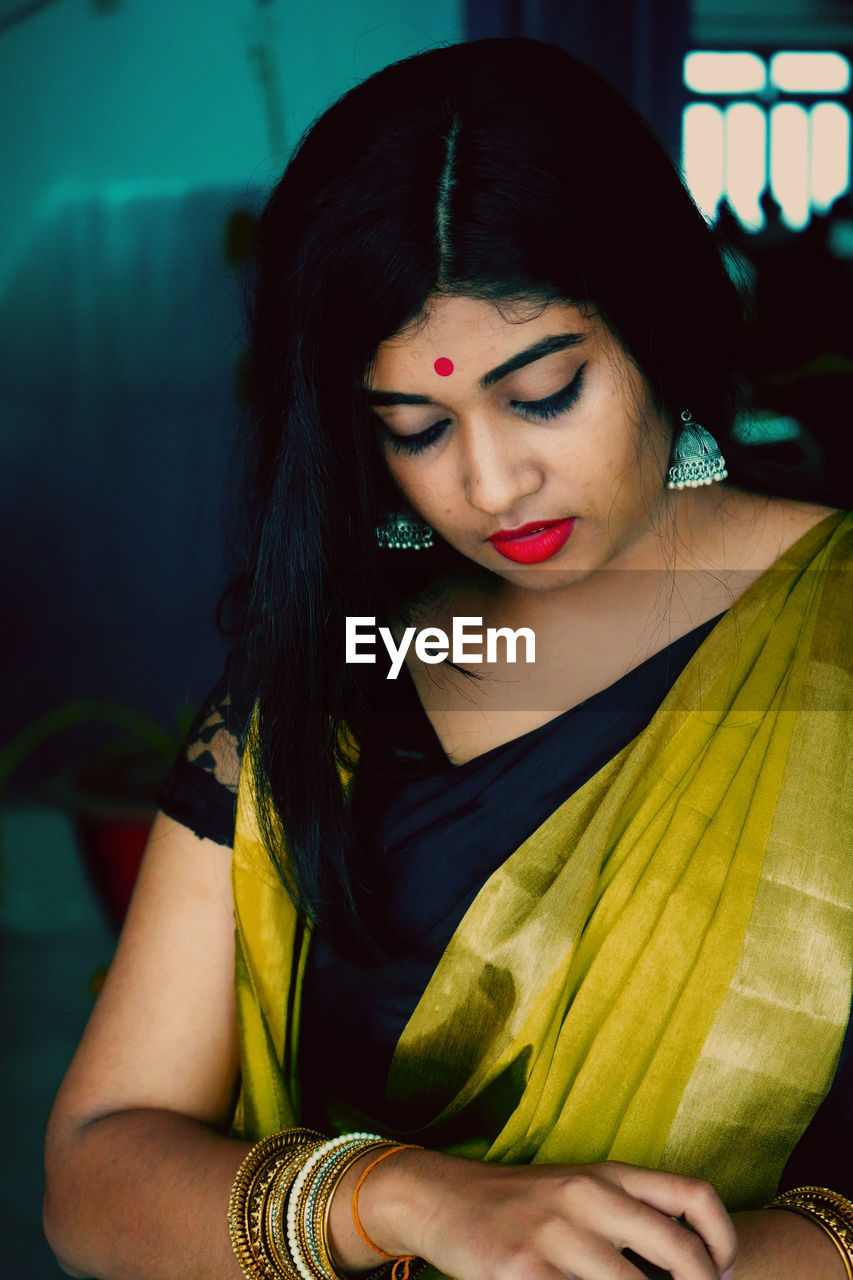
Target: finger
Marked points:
626	1221
690	1198
577	1252
680	1253
648	1269
631	1223
532	1264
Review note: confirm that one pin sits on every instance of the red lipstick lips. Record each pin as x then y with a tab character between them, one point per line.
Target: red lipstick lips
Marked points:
533	543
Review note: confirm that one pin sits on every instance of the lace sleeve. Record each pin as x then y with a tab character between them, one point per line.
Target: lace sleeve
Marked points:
200	790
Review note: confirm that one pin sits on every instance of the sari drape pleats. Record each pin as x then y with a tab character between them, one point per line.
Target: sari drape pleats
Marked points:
661	973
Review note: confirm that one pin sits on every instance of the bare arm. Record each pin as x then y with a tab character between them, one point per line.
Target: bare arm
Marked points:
138	1170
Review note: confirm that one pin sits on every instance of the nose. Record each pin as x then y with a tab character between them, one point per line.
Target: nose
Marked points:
499	471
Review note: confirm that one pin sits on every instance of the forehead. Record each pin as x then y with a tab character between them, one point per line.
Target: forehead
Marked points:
475	335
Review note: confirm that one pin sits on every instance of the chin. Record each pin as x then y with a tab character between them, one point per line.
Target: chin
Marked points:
543	577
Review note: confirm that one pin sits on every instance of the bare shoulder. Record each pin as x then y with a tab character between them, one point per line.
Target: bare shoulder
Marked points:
796	517
761	528
792	520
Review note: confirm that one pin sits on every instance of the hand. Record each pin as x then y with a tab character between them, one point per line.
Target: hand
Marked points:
477	1221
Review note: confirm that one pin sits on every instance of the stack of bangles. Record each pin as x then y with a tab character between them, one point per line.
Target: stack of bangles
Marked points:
829	1210
278	1213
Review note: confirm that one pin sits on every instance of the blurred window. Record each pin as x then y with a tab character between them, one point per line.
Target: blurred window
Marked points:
810	72
725	72
776	121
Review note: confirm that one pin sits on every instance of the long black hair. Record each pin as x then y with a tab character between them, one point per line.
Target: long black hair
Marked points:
502	169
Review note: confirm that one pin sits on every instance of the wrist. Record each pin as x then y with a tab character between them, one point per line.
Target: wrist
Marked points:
397	1204
774	1242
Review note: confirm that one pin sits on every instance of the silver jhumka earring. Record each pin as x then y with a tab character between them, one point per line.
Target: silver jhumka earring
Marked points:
696	458
401	532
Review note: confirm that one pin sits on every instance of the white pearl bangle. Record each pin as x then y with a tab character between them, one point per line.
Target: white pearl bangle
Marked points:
345	1140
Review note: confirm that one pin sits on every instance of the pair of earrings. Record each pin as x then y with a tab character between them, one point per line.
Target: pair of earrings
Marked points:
695	460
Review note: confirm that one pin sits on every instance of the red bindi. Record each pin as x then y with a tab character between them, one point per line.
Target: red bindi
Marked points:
443	366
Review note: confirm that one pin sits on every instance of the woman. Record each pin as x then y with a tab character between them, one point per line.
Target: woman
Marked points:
578	926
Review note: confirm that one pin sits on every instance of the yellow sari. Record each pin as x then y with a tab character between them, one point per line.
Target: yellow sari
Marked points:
661	973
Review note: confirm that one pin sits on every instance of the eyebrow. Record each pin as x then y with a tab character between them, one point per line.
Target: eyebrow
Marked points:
545	347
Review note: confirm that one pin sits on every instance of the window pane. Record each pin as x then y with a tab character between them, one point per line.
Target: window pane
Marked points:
789	162
745	163
810	72
703	155
830	153
724	72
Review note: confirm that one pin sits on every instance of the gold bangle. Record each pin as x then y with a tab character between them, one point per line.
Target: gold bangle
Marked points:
275	1210
321	1200
278	1187
305	1212
331	1179
248	1197
829	1210
302	1245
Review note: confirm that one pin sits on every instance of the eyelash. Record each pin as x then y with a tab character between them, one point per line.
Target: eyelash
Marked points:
538	410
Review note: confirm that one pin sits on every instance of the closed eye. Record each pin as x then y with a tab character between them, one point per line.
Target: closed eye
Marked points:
421	440
540	410
553	405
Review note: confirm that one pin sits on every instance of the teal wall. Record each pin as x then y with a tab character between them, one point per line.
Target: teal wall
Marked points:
155	93
128	138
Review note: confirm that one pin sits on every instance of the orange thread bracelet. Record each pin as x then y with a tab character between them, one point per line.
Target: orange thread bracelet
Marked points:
406	1260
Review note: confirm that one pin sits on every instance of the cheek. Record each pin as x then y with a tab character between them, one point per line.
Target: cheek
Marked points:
613	469
589	462
419	483
403	474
